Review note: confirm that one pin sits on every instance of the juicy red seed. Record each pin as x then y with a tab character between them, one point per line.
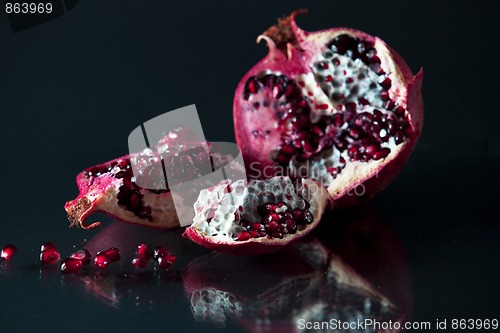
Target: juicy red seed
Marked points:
370	150
113	254
381	153
266	209
71	265
102	260
389	105
277	235
281	204
272	227
307	217
271	217
363	101
291	226
140	262
338	119
166	262
159	252
8	252
288	150
399	138
400	111
142	252
384	95
328	78
243	236
254	234
49	256
256	226
48	246
83	255
297	214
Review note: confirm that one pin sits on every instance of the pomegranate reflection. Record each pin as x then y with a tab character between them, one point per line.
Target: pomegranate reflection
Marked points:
363	276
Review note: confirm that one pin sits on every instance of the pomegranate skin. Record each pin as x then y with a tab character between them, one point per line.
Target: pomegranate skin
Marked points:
292	57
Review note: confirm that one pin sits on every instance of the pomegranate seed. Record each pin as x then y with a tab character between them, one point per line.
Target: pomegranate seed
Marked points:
48	246
272	227
101	260
159	252
384	82
277	234
243	236
71	265
8	252
381	153
271	217
140	262
166	262
83	255
266	209
142	252
400	111
49	255
256	226
255	234
113	254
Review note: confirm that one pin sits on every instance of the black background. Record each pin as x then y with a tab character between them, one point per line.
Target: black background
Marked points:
73	88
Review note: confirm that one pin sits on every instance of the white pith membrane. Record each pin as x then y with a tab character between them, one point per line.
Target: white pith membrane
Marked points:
217	207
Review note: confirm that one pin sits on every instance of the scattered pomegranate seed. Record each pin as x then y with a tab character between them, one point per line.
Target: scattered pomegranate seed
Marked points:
166	262
101	260
50	254
140	262
48	246
83	255
159	252
8	252
113	254
142	252
71	265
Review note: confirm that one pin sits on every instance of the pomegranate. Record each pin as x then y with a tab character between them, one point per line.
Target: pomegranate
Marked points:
113	187
8	252
142	256
258	216
338	106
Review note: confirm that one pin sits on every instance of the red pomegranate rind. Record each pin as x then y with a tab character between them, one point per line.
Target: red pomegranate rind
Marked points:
221	213
299	107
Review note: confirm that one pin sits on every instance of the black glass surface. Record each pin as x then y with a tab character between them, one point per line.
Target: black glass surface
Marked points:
72	89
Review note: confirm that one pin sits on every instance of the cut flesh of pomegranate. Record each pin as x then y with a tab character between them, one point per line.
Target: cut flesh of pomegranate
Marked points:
338	106
256	217
112	188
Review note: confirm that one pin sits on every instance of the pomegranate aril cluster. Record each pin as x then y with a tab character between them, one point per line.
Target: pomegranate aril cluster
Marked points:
276	221
160	254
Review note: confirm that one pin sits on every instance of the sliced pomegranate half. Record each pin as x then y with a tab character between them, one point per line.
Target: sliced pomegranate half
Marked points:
258	216
338	106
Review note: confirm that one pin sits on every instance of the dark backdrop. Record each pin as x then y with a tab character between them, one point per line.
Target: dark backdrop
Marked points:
73	88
